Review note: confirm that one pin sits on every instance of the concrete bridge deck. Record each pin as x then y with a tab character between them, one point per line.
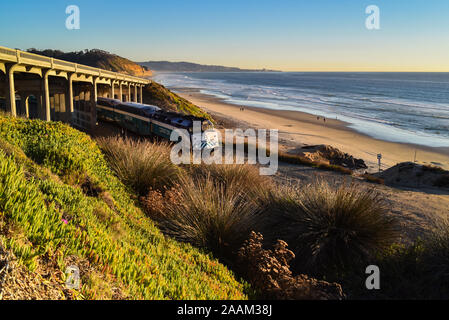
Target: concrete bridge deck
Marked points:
60	90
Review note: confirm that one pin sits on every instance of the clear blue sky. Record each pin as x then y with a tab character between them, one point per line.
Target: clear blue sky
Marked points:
281	34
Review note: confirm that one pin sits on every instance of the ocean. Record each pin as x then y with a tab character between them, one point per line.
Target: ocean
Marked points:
399	107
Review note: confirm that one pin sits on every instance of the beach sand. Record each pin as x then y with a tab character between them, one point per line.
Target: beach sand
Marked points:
298	128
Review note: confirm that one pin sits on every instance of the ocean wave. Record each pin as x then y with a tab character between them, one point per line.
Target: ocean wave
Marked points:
396	109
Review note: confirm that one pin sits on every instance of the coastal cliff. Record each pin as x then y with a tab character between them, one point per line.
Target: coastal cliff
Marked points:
99	59
167	66
157	94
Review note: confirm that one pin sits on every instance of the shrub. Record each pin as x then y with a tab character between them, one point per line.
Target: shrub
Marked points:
330	229
434	263
442	181
269	272
433	169
155	201
141	165
416	271
210	215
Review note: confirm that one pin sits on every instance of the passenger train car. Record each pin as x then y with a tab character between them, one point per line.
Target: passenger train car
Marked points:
148	120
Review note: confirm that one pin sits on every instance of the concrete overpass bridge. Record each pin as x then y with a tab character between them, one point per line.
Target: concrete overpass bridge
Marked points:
36	86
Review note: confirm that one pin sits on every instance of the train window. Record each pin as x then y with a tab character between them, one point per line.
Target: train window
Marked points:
107	102
148	111
129	109
103	103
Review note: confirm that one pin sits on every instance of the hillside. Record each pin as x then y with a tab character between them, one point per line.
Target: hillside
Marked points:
157	94
61	205
98	59
413	175
166	66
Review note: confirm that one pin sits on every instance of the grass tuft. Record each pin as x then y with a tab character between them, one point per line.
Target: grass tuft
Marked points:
215	216
415	271
328	228
373	179
239	176
141	165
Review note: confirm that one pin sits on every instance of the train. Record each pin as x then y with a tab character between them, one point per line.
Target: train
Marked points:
149	120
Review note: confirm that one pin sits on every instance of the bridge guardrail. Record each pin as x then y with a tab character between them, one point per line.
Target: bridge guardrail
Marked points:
8	51
64	63
18	56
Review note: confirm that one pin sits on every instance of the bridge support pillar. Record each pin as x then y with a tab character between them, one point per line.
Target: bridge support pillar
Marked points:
141	94
129	93
135	93
95	91
121	91
11	97
26	98
69	99
93	104
46	96
112	89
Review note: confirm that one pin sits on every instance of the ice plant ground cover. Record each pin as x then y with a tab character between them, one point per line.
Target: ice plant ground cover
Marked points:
59	200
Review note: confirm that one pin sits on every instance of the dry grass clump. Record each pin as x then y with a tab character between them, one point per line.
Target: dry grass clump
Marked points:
442	182
434	169
269	272
214	216
141	165
238	176
373	179
330	228
434	263
214	207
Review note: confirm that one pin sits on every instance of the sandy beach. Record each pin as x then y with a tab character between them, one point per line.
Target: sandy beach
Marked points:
298	128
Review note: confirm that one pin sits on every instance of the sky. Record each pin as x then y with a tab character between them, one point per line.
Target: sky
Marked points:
288	35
